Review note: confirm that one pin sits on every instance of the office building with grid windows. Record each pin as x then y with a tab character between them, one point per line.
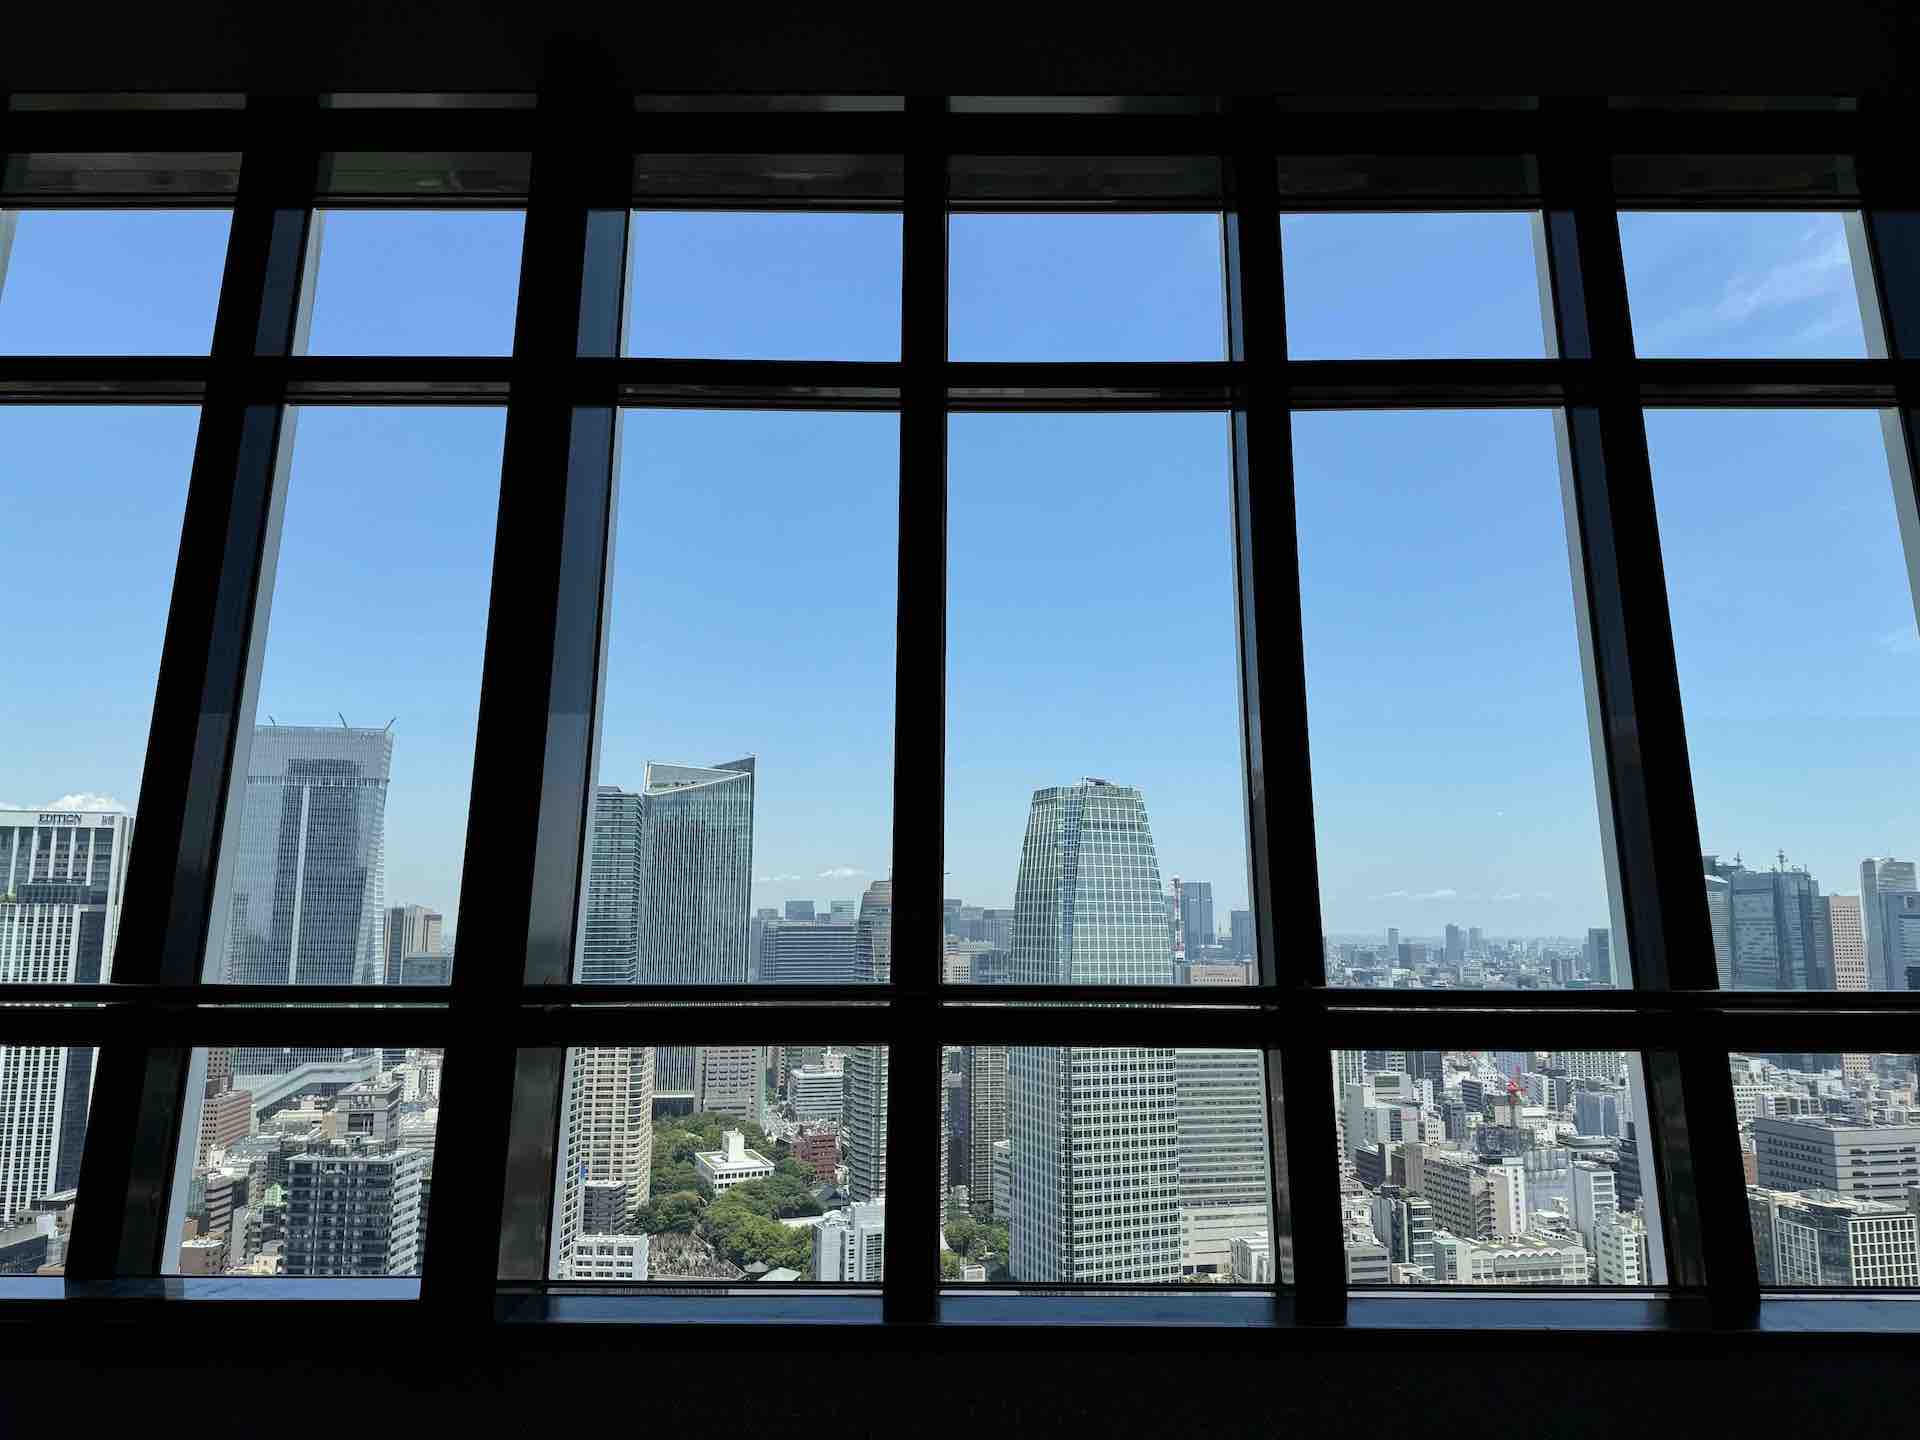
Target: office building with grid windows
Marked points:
62	879
307	899
1093	1132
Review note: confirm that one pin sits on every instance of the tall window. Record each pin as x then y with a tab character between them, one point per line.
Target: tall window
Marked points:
1134	637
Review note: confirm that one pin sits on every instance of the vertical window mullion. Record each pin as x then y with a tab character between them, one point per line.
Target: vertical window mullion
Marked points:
209	669
1634	691
1305	1192
523	877
920	705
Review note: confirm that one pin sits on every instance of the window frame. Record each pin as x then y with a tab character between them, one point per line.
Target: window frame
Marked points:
566	377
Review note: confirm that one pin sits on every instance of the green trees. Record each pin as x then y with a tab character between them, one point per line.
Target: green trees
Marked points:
743	1225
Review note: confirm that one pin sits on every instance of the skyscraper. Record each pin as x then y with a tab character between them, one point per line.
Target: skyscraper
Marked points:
306	903
1896	940
608	1135
61	880
873	934
987	1121
411	930
1779	936
610	924
695	872
1849	943
1597	957
1456	940
1881	876
864	1121
1093	1131
1241	945
1196	917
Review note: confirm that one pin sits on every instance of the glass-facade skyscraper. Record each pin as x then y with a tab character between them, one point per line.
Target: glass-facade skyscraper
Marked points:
307	898
1093	1132
694	874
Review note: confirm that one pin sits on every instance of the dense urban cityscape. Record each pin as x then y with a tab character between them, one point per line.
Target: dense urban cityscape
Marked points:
1058	1164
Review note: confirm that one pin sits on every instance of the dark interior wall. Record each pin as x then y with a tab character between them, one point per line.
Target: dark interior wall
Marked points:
1106	1386
1845	47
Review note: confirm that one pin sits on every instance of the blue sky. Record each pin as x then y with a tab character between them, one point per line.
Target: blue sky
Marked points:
1091	623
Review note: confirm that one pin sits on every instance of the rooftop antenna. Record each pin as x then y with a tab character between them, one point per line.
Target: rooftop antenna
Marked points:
343	721
390	724
270	719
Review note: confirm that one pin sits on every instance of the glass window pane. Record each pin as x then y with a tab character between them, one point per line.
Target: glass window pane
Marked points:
762	1163
1118	1165
1093	748
1732	284
306	1162
1453	775
94	504
110	282
743	821
1831	1149
343	857
764	286
1085	287
1779	529
415	282
1382	286
1496	1167
95	498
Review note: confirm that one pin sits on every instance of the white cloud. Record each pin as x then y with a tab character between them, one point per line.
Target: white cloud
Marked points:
87	800
1820	271
1509	895
841	872
774	879
1444	893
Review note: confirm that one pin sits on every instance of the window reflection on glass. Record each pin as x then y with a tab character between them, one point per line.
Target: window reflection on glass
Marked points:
1780	528
1496	1168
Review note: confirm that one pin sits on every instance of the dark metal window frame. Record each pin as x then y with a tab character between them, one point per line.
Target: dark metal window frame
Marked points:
504	1026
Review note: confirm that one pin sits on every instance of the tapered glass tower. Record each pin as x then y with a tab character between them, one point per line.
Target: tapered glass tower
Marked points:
1093	1131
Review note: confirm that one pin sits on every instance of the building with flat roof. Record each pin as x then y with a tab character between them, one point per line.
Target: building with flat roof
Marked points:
1810	1152
610	1257
850	1244
733	1164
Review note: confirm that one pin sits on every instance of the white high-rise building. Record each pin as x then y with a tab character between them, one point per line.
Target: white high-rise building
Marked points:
608	1132
851	1245
1594	1200
1880	877
1622	1253
62	877
1093	1131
